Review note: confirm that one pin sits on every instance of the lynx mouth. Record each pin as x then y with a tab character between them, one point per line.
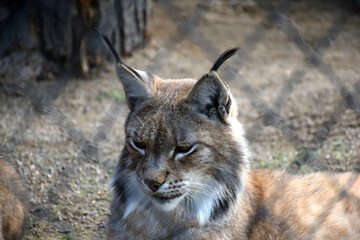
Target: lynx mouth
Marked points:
167	202
163	199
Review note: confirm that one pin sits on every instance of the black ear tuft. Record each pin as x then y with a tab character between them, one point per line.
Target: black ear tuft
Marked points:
112	49
116	55
225	56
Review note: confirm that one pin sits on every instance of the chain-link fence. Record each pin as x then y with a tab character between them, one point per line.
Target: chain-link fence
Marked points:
296	78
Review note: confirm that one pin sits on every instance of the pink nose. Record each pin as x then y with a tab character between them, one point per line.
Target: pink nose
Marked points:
153	185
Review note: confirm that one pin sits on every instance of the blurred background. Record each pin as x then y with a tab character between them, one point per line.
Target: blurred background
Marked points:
296	78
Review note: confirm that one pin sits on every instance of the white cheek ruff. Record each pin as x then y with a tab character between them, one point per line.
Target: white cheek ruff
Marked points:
204	212
208	201
202	204
135	196
238	136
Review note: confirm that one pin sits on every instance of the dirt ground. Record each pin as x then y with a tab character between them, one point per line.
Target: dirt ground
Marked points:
70	194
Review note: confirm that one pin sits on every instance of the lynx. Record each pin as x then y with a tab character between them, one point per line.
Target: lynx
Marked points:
184	171
14	204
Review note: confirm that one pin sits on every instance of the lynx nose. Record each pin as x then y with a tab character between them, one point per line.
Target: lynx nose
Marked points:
153	185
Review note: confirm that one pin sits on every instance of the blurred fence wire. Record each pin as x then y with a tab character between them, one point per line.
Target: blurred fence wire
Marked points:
187	28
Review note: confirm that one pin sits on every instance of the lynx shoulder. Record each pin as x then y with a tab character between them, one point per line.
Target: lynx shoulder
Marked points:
184	172
14	204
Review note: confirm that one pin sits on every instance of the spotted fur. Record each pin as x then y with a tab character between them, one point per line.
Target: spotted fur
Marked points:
184	172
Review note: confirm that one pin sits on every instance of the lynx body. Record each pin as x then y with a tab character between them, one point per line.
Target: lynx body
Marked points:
14	204
184	172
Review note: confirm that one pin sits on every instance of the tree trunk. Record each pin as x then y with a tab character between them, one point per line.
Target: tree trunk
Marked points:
41	38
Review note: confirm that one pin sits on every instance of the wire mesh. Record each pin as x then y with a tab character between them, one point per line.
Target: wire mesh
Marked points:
42	103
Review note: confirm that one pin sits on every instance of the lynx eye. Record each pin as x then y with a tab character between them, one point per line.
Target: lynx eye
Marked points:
139	146
182	151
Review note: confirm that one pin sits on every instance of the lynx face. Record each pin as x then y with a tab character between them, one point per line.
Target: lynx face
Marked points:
174	157
184	153
178	153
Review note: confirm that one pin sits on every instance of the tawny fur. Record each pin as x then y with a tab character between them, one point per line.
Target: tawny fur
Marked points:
14	204
222	198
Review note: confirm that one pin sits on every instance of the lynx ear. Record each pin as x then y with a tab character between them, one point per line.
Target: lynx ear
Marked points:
137	84
211	96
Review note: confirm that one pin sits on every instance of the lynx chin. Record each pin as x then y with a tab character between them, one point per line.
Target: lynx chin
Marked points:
184	171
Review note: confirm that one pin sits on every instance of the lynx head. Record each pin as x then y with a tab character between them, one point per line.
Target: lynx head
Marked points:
184	149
